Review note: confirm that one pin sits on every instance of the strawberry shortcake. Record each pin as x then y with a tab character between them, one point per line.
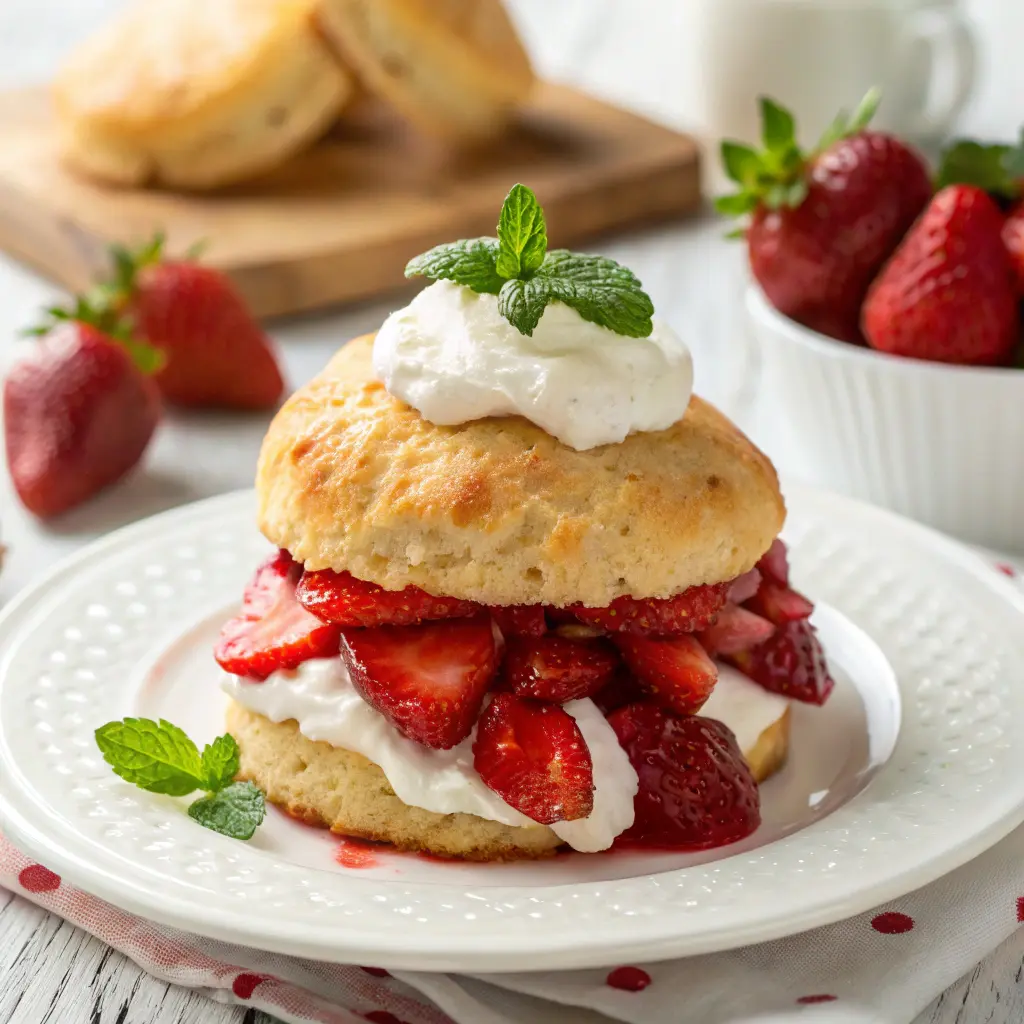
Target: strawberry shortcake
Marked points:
528	591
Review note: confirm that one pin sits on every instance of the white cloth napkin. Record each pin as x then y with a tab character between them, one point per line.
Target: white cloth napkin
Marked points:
882	967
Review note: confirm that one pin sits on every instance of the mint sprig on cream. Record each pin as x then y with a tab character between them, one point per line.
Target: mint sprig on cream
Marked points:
160	758
518	268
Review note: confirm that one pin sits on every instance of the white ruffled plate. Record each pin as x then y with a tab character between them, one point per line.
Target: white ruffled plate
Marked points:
911	769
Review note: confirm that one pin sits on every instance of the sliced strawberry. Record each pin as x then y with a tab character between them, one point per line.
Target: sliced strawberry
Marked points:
557	669
534	757
676	671
735	630
429	681
696	790
693	609
774	564
520	620
341	598
622	690
744	587
791	663
779	604
273	631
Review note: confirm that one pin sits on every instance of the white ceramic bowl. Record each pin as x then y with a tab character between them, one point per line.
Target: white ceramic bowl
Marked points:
941	444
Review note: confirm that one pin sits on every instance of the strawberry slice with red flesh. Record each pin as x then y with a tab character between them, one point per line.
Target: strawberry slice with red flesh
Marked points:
340	598
622	690
430	680
774	563
744	587
691	610
520	620
791	663
736	629
696	790
676	671
779	604
273	630
557	669
534	757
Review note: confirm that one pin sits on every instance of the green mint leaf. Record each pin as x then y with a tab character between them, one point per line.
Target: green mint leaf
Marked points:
522	234
777	125
470	262
236	811
220	763
741	163
155	756
522	303
600	290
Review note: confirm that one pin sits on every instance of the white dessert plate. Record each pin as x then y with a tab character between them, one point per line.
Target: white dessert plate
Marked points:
911	769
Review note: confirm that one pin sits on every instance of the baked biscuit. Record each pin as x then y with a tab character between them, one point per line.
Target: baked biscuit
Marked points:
500	512
194	94
455	68
341	790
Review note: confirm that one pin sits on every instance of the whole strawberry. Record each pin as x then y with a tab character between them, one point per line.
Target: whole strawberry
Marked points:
217	355
947	294
79	411
822	224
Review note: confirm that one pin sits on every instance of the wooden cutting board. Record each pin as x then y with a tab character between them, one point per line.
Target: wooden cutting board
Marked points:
339	222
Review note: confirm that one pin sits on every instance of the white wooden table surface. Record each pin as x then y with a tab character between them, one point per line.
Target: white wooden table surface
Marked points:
639	53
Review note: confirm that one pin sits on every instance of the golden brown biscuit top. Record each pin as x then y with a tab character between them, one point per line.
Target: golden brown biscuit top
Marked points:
497	510
164	59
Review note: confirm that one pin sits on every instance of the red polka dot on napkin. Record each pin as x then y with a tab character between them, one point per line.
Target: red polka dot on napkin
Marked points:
376	972
245	984
628	979
812	1000
892	923
36	878
1020	908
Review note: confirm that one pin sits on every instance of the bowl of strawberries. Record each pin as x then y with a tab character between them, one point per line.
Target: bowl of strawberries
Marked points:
886	307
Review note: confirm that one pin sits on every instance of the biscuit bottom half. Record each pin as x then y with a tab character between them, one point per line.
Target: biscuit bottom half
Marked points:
338	789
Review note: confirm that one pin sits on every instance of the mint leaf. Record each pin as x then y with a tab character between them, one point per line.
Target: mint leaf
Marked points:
522	234
155	756
220	763
236	811
470	262
600	290
522	304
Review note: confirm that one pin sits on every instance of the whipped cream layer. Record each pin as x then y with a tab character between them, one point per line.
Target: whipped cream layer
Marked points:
454	358
320	697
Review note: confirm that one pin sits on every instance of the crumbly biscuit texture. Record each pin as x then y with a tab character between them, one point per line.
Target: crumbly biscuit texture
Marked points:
455	68
341	790
197	93
500	512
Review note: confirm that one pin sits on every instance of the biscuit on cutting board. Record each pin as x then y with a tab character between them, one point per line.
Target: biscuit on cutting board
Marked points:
194	94
454	68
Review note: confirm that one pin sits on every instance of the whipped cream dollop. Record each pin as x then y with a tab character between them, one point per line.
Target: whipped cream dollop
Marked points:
320	697
454	358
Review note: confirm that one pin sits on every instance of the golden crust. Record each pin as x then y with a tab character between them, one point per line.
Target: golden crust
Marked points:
195	94
500	512
455	68
341	790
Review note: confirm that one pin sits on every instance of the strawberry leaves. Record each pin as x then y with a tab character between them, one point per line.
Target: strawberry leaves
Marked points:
996	168
527	278
775	177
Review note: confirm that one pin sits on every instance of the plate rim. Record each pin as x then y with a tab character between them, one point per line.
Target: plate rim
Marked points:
323	941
